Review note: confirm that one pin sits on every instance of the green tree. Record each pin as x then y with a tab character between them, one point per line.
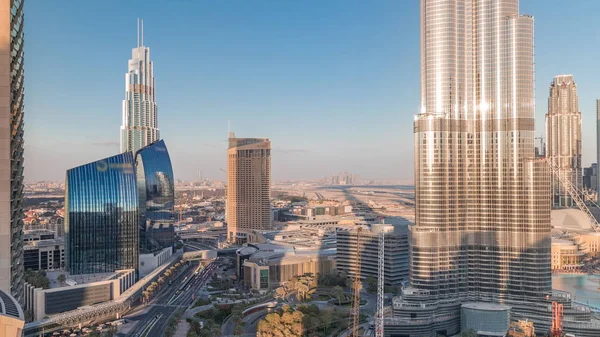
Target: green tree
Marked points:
337	292
61	279
37	279
371	284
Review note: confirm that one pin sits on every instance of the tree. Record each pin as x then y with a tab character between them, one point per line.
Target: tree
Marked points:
37	279
280	292
468	333
239	329
371	284
61	279
337	292
302	291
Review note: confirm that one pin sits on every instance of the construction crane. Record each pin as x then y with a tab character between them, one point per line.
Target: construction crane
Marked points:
557	316
542	148
380	285
355	315
575	194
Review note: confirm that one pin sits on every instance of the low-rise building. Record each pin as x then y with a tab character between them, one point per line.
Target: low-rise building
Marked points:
42	250
590	241
47	254
151	261
396	252
76	291
266	266
566	255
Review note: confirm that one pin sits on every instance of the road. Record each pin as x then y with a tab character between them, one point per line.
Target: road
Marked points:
250	326
153	321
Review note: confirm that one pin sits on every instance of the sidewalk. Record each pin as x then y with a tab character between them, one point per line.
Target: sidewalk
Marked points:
182	328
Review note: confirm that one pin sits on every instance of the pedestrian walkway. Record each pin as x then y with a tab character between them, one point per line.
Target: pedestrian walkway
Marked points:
182	328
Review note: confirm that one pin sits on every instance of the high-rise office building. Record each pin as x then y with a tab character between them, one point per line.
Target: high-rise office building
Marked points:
563	133
140	125
598	145
156	191
101	216
248	187
482	228
11	148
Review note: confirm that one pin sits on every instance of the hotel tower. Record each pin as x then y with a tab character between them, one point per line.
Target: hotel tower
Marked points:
248	205
140	125
482	230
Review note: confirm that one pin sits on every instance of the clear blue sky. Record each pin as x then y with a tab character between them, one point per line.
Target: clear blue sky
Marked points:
334	84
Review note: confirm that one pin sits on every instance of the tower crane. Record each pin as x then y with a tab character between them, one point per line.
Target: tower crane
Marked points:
575	194
557	316
355	315
542	148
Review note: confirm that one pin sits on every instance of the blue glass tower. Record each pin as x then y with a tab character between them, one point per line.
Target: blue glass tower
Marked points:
101	216
156	192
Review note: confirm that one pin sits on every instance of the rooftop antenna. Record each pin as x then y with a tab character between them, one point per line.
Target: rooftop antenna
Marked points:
138	32
231	135
142	32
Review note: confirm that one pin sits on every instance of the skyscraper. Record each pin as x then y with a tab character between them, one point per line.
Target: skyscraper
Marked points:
563	132
11	148
156	190
101	216
140	125
248	187
482	228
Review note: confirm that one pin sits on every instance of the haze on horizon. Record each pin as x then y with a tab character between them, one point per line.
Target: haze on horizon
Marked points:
334	85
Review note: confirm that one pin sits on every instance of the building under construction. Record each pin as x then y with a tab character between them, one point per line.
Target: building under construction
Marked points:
396	252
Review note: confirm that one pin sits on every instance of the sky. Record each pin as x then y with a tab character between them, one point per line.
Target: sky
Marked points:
334	84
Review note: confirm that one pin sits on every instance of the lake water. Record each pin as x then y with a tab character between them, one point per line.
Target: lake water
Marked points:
583	288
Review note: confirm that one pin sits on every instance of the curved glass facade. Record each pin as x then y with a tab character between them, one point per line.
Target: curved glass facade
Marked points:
101	216
156	191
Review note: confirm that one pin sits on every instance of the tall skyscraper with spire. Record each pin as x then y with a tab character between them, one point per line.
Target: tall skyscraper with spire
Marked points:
140	124
563	133
482	230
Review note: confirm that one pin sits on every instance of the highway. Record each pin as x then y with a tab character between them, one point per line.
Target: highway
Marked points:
153	321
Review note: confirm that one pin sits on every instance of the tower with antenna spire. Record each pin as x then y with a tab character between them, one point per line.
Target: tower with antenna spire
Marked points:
139	126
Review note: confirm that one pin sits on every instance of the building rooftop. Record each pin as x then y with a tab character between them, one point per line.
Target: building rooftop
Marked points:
562	242
486	306
43	243
570	219
72	280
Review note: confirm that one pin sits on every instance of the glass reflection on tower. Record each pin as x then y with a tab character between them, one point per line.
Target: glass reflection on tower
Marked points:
101	216
156	197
